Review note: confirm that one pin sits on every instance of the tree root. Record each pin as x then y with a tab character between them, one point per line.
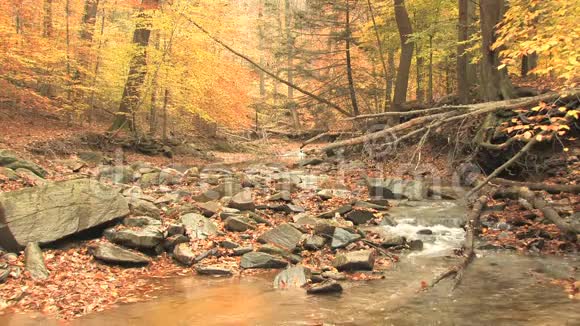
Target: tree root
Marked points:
458	270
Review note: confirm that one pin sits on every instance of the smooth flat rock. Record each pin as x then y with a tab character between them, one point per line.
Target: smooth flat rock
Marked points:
359	216
284	236
342	238
262	260
213	271
53	211
243	201
114	254
144	238
238	224
142	207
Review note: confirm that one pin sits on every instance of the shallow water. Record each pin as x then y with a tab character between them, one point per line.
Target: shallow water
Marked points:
498	289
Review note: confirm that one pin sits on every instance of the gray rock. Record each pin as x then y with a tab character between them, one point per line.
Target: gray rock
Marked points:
170	242
242	250
326	287
47	213
210	208
292	277
362	260
273	250
229	212
229	244
359	216
117	174
334	275
198	226
425	232
343	238
114	254
239	224
149	179
34	262
228	188
4	273
170	177
368	205
415	245
326	194
243	201
140	221
29	175
145	238
166	199
284	236
8	174
394	241
9	160
283	195
183	254
141	207
314	242
213	271
397	189
175	229
287	208
261	260
311	162
340	211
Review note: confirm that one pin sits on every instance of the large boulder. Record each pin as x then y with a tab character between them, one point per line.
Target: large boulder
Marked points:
145	238
284	236
198	226
362	260
113	254
292	277
8	174
34	262
10	160
397	189
262	260
53	211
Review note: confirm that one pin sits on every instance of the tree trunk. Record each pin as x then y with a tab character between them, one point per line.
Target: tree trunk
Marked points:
405	31
387	98
89	20
261	48
529	62
351	88
290	63
463	85
430	87
495	84
48	30
392	74
420	95
137	68
165	115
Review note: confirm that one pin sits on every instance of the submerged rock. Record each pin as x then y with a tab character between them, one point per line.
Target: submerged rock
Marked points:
47	213
326	287
213	270
362	260
292	277
262	260
34	262
114	254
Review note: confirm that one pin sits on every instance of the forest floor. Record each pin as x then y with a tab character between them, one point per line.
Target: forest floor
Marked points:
79	285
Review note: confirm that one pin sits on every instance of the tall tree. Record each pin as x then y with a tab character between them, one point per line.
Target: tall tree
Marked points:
47	19
495	83
405	32
351	87
137	68
465	70
290	62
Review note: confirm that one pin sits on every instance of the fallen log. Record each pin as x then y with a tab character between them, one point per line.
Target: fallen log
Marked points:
551	188
406	113
458	270
447	117
539	203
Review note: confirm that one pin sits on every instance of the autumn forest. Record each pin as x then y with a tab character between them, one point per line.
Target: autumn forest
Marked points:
398	162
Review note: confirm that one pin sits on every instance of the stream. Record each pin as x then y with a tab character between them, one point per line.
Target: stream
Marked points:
499	288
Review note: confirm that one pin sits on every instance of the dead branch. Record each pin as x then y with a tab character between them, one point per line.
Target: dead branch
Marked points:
504	166
468	247
407	113
551	188
447	117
